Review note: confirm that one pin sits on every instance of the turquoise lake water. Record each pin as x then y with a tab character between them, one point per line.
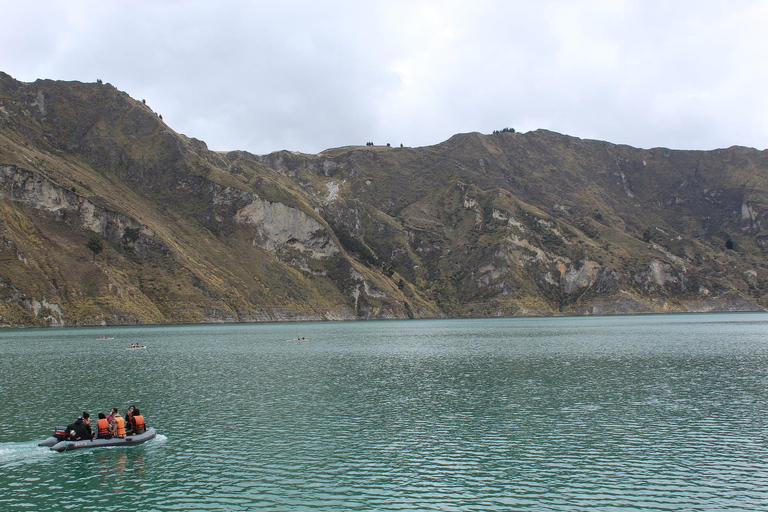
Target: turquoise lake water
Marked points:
554	414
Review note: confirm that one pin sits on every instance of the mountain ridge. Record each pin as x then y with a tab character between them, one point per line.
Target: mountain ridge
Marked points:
505	224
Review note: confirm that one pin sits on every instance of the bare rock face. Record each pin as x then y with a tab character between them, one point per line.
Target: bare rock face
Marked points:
578	279
278	226
38	192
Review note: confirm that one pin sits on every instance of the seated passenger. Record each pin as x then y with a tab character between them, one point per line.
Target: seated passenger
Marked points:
102	424
128	417
137	423
80	430
118	424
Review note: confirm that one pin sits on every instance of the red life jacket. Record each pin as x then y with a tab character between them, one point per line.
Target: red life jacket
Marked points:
138	424
119	426
103	426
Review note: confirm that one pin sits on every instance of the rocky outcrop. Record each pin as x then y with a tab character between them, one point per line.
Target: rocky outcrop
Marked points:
37	191
576	279
16	308
278	226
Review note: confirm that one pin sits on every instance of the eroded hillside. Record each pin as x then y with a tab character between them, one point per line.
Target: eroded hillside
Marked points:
480	225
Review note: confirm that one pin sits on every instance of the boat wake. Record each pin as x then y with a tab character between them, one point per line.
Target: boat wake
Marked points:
14	454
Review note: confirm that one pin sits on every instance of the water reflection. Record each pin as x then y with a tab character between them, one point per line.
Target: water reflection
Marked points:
118	464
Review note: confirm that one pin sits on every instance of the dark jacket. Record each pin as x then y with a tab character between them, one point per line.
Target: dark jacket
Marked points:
82	430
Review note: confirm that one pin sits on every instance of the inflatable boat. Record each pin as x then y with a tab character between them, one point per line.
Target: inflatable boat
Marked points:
59	440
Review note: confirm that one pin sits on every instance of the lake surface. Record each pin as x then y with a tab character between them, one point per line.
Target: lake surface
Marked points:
555	414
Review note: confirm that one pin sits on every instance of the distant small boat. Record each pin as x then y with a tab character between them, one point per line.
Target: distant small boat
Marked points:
137	346
104	338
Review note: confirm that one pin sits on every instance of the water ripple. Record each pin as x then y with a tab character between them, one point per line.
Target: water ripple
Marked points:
553	415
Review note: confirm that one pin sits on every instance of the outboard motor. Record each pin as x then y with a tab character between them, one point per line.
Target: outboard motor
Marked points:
59	434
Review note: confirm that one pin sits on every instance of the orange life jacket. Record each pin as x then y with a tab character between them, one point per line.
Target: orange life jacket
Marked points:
119	426
103	426
138	424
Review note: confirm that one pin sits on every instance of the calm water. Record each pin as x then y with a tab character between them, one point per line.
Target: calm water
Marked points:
566	414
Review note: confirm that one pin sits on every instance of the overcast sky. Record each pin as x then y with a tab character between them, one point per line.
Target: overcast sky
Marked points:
311	75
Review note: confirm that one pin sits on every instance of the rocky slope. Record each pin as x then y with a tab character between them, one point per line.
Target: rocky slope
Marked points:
480	225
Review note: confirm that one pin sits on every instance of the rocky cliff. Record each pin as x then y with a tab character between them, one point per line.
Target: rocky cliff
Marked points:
480	225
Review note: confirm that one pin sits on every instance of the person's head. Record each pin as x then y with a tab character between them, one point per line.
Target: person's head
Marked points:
113	411
136	412
102	416
131	408
86	415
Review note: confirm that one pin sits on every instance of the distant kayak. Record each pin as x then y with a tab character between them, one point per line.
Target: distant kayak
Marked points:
137	347
56	443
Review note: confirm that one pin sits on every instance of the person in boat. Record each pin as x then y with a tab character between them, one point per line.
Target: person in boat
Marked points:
118	424
80	430
87	420
138	426
103	431
128	416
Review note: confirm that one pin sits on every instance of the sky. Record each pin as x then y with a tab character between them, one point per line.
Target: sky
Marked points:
311	75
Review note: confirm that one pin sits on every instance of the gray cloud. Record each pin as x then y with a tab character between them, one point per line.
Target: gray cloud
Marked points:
308	76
